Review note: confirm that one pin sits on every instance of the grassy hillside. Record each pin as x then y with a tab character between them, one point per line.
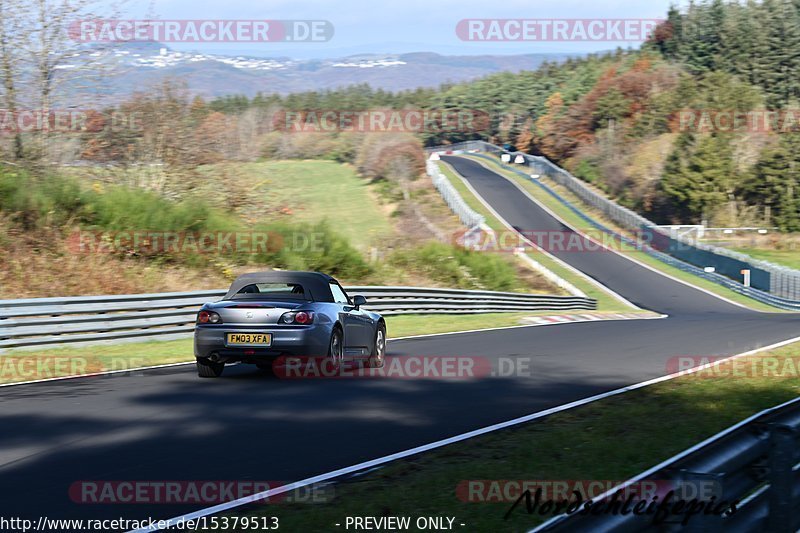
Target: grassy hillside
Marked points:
788	258
353	231
311	191
614	120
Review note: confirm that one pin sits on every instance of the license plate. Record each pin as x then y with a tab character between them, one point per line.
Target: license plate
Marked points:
249	339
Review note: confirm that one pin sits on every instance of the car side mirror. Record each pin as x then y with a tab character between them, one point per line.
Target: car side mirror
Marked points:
358	301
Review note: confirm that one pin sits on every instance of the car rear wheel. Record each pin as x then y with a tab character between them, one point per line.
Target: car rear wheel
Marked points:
336	348
378	356
209	369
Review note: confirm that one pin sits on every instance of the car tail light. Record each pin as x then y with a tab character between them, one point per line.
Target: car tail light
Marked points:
297	317
208	317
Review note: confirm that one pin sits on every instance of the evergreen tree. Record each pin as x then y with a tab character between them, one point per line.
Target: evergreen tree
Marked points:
668	36
782	54
701	42
775	183
705	181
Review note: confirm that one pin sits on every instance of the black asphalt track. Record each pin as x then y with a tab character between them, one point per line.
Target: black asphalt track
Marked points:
639	285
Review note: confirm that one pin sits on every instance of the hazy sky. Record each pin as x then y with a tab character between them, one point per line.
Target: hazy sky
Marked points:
392	26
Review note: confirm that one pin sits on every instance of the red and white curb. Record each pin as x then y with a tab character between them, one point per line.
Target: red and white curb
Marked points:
589	317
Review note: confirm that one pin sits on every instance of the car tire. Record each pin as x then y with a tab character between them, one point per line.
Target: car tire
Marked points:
209	369
378	357
336	348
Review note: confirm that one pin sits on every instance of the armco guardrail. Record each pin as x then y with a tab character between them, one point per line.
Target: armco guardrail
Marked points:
43	321
468	217
751	292
784	283
476	224
756	462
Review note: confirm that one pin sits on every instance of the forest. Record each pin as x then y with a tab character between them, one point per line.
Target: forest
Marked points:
614	119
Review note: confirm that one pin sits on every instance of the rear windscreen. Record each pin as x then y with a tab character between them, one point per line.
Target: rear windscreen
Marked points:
293	291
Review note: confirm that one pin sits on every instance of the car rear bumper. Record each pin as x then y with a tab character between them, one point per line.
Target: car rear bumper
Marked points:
210	342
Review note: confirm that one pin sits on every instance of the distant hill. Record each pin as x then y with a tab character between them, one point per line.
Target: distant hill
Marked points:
212	75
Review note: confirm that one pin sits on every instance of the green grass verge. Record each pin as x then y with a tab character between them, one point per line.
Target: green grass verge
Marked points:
52	362
574	220
605	301
612	439
787	258
312	190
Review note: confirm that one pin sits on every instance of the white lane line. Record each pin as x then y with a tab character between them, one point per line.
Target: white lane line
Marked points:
168	365
653	269
444	442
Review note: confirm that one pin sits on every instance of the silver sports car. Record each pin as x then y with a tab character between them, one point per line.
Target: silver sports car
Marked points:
270	314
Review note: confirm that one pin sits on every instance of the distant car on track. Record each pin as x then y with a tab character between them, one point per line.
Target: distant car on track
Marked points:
269	314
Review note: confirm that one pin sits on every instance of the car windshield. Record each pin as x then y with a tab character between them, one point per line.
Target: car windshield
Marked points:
282	291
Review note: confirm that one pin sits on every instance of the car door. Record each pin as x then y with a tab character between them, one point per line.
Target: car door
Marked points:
357	324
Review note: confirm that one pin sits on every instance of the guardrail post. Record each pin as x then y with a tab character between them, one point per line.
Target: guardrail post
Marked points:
781	462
